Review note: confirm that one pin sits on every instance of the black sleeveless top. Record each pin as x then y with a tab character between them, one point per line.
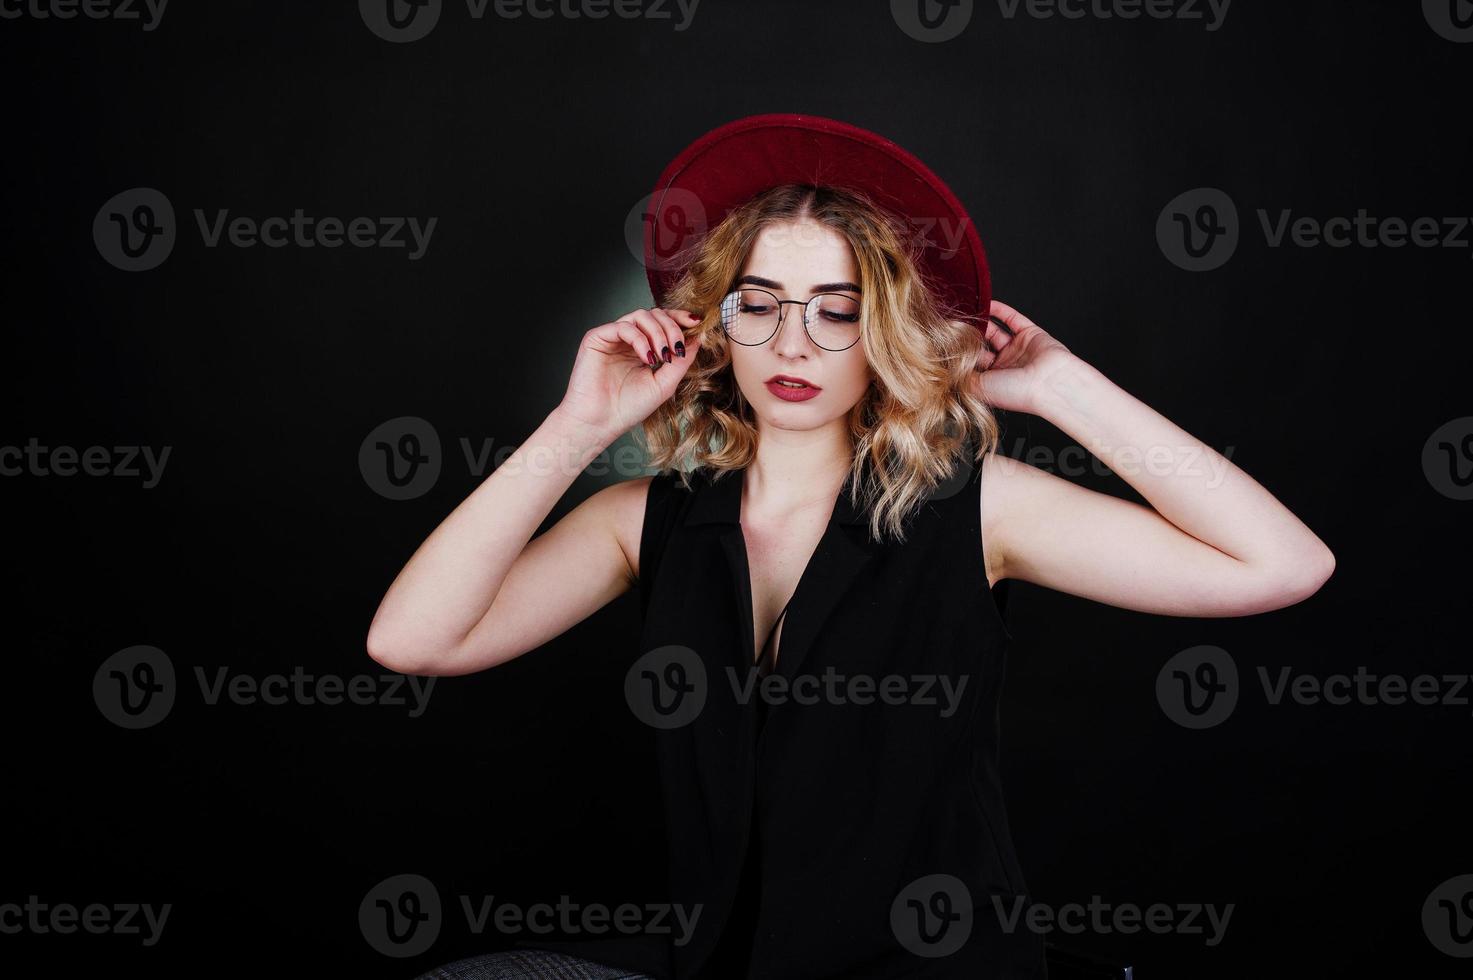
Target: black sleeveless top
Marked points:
852	824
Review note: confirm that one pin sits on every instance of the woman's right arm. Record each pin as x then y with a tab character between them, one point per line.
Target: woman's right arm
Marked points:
480	590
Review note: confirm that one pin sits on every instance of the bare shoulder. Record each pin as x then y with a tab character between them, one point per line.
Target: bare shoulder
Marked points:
619	508
1004	481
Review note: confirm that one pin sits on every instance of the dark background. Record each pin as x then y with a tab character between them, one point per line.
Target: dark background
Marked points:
263	547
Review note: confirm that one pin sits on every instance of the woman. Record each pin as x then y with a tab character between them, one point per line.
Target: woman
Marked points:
830	364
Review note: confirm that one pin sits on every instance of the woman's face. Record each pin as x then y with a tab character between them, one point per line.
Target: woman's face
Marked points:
794	260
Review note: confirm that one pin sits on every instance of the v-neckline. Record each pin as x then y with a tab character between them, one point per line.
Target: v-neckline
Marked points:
764	665
755	657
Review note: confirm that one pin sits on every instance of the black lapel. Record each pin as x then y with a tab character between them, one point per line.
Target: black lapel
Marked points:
735	547
843	551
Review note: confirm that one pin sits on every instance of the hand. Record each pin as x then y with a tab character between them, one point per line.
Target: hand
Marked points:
1019	359
620	375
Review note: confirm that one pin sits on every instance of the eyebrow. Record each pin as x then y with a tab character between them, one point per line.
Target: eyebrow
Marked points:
825	287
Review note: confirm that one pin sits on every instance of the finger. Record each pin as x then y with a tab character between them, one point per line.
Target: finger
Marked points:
1010	317
986	357
690	321
638	341
672	331
610	339
995	336
659	333
654	335
697	321
678	368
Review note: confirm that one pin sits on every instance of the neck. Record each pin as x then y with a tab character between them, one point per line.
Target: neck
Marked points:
794	470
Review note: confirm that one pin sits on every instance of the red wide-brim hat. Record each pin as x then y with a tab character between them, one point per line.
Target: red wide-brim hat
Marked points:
733	163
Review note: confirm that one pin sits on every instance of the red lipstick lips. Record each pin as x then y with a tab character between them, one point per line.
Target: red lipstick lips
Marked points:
796	389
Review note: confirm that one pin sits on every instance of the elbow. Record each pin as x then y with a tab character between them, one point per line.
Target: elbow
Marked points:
411	655
1318	568
1303	576
396	655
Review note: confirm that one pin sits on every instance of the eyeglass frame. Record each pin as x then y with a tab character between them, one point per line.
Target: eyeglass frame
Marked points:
782	315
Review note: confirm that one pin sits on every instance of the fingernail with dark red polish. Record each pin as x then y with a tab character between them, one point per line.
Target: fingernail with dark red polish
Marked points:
665	353
680	348
650	356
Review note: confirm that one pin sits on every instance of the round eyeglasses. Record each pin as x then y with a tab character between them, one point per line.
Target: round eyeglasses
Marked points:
752	316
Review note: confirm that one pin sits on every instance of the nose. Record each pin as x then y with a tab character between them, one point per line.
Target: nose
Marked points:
792	340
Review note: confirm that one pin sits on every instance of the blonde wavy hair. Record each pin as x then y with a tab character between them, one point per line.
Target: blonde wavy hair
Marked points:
919	418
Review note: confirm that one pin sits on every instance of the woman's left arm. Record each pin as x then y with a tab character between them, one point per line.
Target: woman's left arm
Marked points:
1213	542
